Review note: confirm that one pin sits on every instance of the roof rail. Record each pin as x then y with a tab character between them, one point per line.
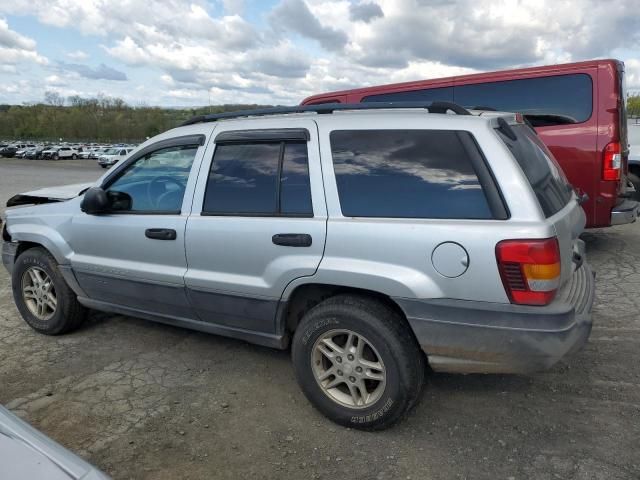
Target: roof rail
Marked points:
326	108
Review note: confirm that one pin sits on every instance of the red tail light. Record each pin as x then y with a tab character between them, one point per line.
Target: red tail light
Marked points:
611	161
530	270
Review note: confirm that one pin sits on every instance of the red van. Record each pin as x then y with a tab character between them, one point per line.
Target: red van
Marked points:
578	110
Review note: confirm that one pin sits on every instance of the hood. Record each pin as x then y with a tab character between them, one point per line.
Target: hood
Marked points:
49	194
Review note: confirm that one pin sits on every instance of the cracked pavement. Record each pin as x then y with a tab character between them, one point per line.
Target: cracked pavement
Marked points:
145	400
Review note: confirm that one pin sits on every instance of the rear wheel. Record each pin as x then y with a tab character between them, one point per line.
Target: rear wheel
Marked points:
358	362
74	156
42	296
55	156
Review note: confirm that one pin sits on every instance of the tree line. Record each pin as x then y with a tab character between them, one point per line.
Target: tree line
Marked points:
110	119
633	106
99	119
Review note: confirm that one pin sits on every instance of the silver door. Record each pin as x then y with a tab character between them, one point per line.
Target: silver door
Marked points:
134	257
240	260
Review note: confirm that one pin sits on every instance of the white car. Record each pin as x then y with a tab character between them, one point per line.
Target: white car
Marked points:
113	156
23	151
60	152
27	453
86	152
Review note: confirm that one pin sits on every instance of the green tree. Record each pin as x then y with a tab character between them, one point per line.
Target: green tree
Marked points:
633	106
100	119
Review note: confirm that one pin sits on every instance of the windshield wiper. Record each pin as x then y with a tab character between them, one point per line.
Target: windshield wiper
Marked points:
546	119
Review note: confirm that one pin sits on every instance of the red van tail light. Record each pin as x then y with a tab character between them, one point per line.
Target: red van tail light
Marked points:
612	159
530	270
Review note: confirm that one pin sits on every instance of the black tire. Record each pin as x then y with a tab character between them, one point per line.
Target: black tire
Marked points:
388	332
74	156
633	178
68	315
56	156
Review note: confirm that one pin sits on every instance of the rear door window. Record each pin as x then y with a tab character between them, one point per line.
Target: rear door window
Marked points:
259	179
407	174
551	187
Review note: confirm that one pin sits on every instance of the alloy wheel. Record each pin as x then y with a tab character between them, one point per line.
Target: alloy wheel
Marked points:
348	368
38	293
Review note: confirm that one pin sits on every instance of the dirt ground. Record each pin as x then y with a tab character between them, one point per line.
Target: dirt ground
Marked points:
143	400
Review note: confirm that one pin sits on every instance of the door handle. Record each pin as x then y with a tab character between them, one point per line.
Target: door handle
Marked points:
292	239
160	233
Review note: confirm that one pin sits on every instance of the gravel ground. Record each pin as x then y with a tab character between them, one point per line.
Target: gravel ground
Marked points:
144	400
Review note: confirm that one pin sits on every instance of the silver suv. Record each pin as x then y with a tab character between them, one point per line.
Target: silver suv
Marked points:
373	239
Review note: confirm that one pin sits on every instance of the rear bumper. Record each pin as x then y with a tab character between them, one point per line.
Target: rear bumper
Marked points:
625	212
479	337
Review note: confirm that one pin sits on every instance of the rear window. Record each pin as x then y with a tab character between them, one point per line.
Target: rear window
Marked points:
553	100
545	176
407	174
568	97
443	94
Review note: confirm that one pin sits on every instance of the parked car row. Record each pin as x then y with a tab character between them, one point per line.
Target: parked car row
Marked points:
107	155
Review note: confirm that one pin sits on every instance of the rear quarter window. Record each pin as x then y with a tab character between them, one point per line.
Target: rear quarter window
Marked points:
407	174
548	181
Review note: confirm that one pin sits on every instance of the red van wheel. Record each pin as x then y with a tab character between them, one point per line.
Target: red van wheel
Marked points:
633	178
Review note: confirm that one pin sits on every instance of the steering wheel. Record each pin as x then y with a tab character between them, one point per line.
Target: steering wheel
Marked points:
154	196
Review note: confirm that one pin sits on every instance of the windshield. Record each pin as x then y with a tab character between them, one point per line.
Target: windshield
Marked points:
112	151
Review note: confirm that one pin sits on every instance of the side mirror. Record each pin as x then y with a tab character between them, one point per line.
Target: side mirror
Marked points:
95	201
119	201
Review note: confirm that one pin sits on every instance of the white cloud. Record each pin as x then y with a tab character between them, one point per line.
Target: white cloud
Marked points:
55	81
310	46
78	55
632	72
233	7
16	48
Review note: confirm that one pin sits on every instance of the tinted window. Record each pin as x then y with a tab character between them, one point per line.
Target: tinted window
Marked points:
547	179
155	182
431	95
295	191
406	173
244	179
569	96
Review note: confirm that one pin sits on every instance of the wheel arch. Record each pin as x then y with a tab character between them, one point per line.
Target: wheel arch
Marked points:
305	296
30	237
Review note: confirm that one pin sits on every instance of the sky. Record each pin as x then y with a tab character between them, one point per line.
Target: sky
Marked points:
196	52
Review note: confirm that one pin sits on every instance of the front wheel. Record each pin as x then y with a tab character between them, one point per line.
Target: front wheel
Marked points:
56	157
74	156
358	362
42	296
